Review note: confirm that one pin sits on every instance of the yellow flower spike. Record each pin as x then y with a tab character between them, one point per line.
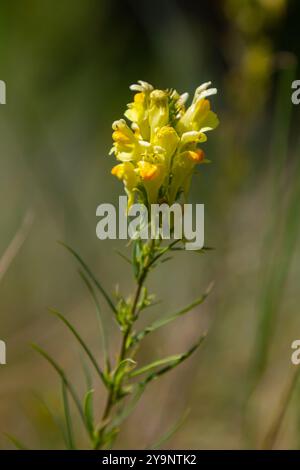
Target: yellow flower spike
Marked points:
159	152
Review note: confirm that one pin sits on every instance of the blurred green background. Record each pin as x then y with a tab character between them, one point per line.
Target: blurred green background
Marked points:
67	66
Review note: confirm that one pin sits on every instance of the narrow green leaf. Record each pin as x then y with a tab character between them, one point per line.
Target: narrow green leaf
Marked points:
123	368
18	444
88	411
91	275
123	414
87	373
62	375
163	251
201	251
128	260
82	343
99	319
136	253
165	260
153	365
69	428
170	433
164	321
182	358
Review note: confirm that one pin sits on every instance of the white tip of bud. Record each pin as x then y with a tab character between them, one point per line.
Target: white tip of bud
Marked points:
202	87
205	94
183	98
141	86
135	88
145	85
144	143
118	123
158	149
210	91
203	91
134	126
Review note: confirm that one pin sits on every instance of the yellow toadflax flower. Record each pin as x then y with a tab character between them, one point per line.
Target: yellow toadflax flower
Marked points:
160	149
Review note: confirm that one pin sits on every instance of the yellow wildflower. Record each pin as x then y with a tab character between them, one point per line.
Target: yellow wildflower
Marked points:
160	150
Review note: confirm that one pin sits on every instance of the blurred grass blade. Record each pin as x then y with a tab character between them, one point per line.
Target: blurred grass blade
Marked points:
99	319
16	243
170	433
55	419
181	359
82	343
91	275
274	264
16	442
124	257
283	115
271	437
164	321
273	290
62	375
88	411
68	419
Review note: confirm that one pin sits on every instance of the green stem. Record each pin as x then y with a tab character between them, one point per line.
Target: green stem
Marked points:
124	349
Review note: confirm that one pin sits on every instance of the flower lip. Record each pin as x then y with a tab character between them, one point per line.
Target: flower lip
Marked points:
196	156
147	171
119	136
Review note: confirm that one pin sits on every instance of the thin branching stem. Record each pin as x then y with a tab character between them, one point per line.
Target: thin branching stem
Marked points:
124	345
